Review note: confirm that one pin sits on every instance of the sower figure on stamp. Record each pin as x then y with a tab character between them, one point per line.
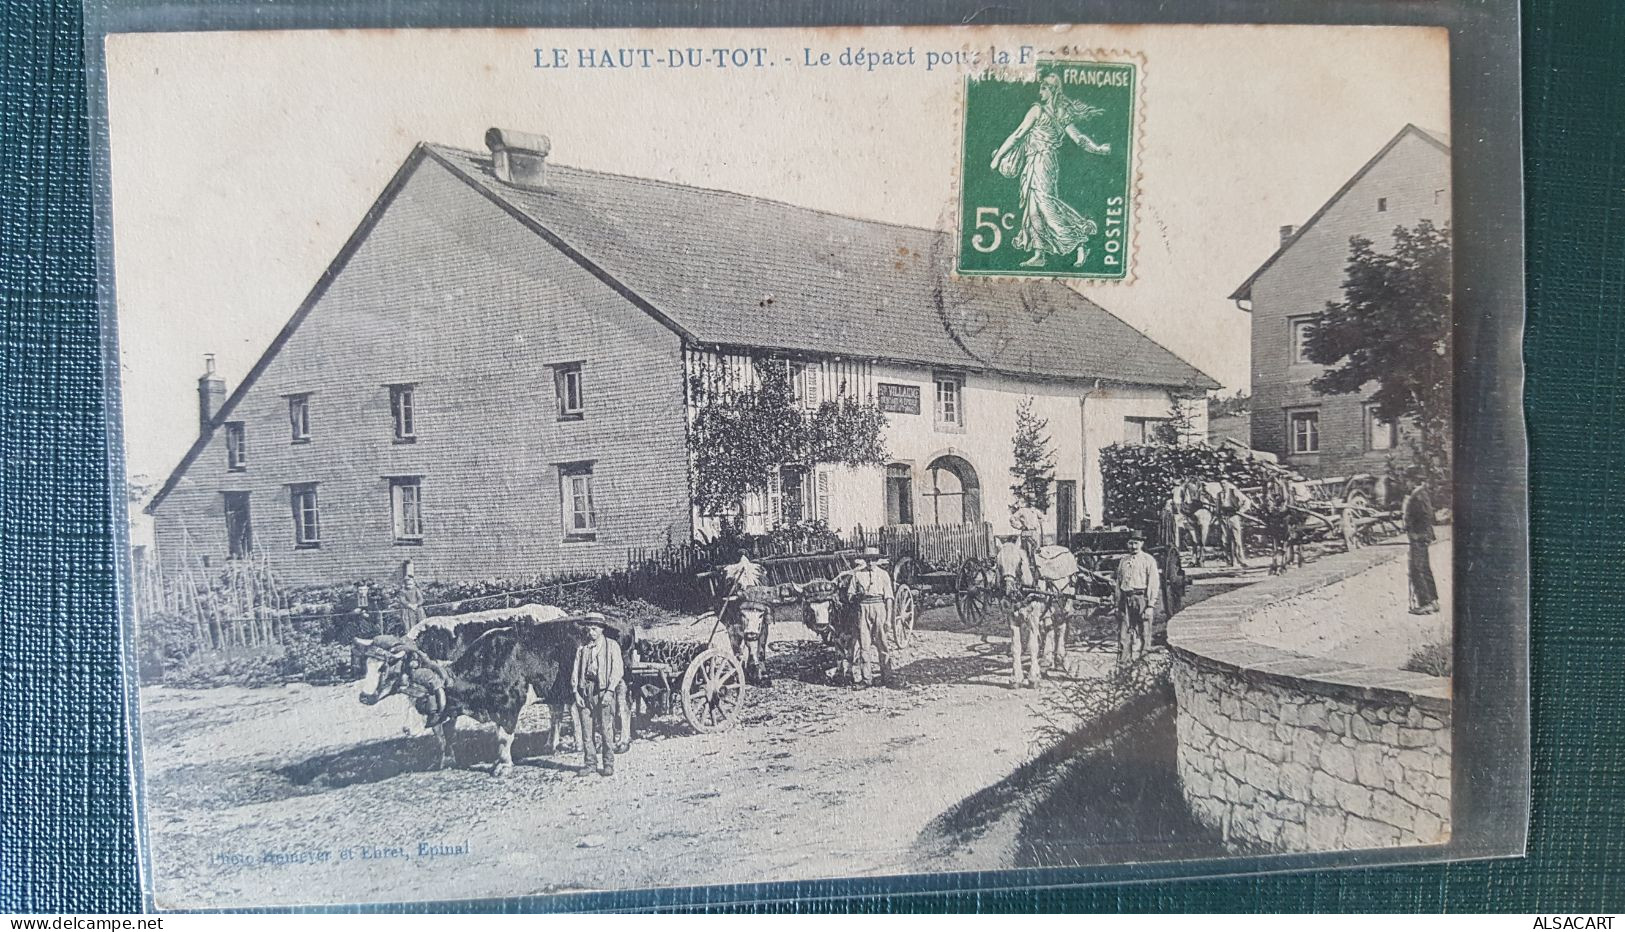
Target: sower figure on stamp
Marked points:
1139	583
871	589
597	678
1418	511
1049	225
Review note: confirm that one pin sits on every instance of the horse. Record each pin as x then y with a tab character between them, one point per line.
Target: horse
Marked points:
1197	501
1038	587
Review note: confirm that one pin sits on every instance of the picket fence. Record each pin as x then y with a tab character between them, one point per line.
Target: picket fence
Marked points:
243	607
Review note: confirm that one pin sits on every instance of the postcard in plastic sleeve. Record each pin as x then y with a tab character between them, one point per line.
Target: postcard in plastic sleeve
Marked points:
571	460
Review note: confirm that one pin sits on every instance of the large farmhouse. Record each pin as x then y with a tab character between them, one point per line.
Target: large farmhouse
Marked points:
491	378
1408	181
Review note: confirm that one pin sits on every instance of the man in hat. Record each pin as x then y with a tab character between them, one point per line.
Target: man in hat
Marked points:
596	680
1139	583
871	591
1418	513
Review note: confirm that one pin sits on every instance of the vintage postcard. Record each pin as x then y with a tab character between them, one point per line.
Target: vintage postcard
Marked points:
610	460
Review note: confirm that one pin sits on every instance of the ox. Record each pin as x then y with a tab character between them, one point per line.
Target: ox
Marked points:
825	612
484	665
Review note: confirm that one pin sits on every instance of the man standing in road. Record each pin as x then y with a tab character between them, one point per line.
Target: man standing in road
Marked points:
871	589
597	678
1418	511
1233	503
1139	583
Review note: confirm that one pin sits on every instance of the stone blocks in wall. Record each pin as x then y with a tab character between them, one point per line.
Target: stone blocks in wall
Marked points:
1326	757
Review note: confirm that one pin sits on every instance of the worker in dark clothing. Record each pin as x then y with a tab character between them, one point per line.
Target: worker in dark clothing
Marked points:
1418	511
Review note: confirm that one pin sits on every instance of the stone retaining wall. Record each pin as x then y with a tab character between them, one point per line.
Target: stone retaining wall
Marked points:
1297	753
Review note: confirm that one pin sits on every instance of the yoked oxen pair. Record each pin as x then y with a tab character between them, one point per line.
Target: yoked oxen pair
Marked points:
487	666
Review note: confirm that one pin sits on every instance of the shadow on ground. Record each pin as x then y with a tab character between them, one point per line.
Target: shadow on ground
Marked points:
383	760
1104	793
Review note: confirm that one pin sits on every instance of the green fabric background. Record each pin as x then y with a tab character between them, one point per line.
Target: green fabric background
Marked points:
68	835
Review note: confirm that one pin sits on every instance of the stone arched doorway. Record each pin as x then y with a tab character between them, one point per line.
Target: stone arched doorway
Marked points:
953	493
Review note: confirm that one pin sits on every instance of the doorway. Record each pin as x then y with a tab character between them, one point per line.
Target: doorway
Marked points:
955	493
239	526
899	494
1066	511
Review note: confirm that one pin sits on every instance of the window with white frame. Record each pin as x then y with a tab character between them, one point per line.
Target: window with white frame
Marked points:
406	508
567	388
1303	430
1380	434
307	522
299	417
403	411
1299	329
236	446
950	390
575	493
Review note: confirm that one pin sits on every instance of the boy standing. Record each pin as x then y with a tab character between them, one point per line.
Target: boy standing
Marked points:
596	681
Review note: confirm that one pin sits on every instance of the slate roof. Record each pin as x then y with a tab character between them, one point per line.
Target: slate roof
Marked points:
1440	141
732	270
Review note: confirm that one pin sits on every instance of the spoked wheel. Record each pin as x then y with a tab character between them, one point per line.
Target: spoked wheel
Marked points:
972	606
713	691
906	612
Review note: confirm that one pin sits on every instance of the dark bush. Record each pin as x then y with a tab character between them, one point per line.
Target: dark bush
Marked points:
163	642
1432	660
1137	480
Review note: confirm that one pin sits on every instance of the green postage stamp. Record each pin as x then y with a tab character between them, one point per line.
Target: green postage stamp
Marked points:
1047	171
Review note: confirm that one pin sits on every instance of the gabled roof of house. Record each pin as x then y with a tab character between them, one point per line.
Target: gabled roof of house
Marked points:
1244	292
732	270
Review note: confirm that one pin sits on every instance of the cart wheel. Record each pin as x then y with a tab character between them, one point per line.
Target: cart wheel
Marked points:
713	691
904	613
971	610
1173	583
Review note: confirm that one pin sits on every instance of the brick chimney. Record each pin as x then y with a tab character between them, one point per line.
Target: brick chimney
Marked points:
519	159
211	393
1286	233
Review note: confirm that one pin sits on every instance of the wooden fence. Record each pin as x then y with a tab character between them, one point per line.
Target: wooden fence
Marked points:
678	576
236	607
241	606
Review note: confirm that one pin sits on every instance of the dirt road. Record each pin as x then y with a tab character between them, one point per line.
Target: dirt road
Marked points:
300	794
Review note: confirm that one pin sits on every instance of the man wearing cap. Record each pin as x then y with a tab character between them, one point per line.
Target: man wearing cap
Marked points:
871	591
1139	583
596	679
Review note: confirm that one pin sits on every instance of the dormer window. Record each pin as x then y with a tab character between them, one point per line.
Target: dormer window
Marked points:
567	389
236	447
402	410
299	417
